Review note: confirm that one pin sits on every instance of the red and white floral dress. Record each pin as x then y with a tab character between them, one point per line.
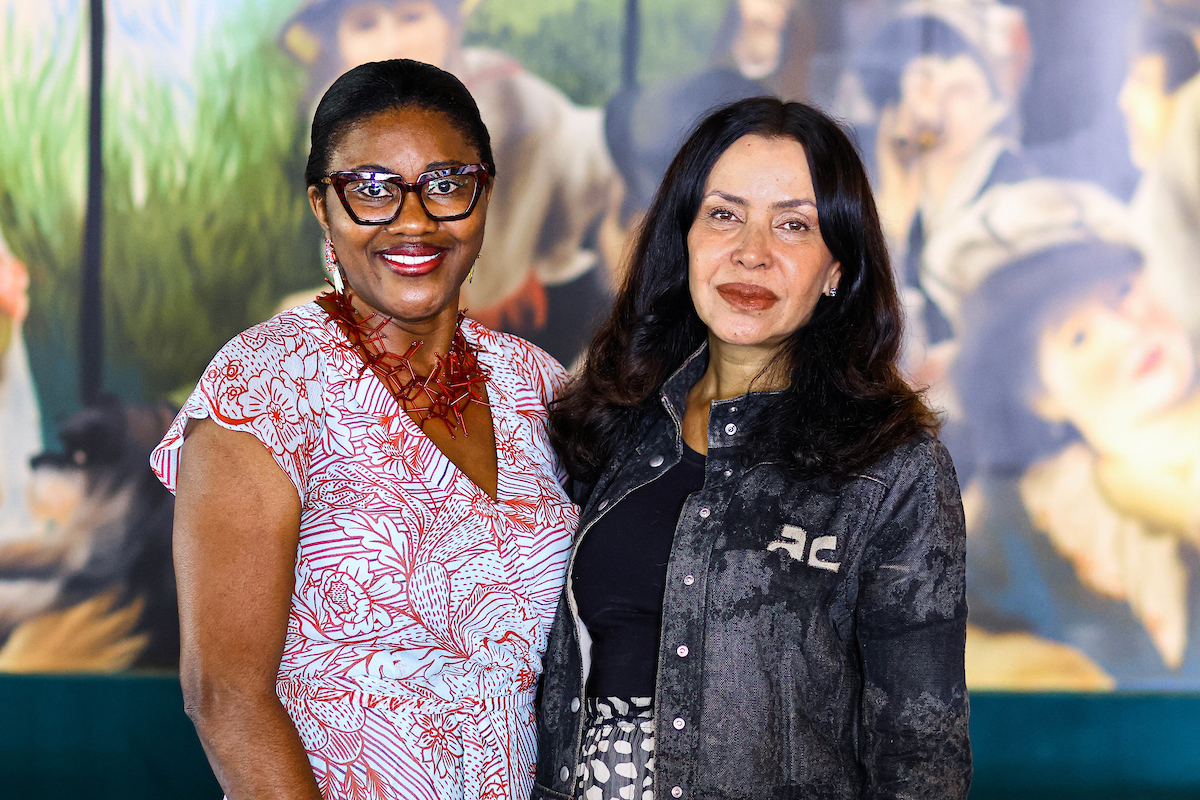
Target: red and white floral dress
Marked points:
421	606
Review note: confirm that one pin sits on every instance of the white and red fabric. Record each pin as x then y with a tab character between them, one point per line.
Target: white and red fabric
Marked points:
421	606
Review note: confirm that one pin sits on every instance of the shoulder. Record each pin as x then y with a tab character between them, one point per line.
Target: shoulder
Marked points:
288	331
921	461
529	364
285	348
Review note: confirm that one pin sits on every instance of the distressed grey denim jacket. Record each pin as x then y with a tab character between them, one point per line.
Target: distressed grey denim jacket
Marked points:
812	639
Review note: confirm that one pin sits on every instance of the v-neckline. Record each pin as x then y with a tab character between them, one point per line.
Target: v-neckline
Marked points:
413	428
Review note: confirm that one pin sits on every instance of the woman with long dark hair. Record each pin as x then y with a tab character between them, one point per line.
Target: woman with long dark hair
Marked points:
766	596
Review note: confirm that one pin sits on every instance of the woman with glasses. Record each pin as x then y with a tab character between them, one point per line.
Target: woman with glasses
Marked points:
370	530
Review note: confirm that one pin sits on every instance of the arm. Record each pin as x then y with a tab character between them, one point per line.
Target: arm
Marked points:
911	622
237	524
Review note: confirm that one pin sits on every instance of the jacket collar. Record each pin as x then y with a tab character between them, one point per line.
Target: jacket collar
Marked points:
728	420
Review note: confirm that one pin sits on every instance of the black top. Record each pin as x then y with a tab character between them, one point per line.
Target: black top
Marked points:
620	575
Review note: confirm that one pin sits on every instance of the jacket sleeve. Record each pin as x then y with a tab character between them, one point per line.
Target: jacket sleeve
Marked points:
911	628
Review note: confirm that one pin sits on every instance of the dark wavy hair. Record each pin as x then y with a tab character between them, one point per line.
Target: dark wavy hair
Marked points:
379	86
846	405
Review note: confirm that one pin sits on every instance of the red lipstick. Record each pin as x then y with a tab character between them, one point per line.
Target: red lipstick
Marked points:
412	259
747	296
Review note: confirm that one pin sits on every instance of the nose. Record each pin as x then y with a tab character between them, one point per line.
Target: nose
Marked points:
753	249
412	219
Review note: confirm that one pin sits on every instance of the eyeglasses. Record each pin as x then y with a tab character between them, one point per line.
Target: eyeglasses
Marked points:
375	198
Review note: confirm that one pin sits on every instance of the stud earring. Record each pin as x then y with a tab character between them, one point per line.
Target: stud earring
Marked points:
333	268
833	291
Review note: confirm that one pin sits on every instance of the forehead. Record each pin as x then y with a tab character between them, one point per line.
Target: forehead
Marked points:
931	71
755	165
402	139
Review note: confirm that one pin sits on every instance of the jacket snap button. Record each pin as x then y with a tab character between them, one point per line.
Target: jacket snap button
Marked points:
688	580
679	723
676	791
733	409
564	773
656	461
574	703
603	505
704	512
731	429
728	473
682	650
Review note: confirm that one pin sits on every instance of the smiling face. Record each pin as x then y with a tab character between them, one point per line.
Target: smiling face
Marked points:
1114	362
756	261
410	269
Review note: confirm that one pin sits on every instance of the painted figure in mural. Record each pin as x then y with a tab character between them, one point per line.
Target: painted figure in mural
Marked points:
20	420
20	440
370	529
1088	517
93	569
1161	102
762	47
740	423
539	274
944	77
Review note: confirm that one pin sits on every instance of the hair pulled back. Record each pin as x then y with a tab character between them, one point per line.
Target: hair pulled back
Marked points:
379	86
846	405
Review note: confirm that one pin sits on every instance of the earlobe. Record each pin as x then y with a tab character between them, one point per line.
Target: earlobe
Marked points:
835	278
316	201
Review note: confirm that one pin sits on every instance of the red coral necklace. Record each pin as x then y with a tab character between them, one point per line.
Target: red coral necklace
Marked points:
456	381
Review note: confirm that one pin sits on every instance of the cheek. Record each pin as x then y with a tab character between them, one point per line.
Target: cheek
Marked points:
1083	383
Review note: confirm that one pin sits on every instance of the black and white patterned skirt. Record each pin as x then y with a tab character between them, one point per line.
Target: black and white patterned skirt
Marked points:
617	758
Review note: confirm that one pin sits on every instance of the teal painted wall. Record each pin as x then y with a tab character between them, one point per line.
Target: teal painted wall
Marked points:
127	737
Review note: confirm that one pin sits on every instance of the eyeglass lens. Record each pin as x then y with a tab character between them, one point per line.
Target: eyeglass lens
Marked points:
379	200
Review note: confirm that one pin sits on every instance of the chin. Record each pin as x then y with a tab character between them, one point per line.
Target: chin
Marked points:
740	338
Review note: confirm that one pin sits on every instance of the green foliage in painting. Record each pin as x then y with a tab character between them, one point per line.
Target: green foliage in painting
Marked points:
207	226
43	112
576	44
206	221
207	215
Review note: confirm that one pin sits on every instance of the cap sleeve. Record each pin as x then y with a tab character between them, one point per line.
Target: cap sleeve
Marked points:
265	383
543	371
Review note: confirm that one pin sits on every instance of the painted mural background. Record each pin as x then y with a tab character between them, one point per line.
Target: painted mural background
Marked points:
1037	165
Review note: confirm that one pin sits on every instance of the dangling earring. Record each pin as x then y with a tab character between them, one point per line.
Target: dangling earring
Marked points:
471	274
334	268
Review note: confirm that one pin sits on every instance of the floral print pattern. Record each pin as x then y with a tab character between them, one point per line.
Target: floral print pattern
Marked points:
421	606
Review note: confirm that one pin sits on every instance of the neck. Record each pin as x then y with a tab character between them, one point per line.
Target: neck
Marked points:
734	370
398	334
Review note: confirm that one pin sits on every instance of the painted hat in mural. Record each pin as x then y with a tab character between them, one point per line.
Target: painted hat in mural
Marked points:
645	127
1014	221
305	33
1184	14
993	33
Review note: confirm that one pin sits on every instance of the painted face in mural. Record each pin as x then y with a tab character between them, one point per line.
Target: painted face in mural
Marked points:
379	261
415	29
1148	108
946	107
1114	362
756	261
760	35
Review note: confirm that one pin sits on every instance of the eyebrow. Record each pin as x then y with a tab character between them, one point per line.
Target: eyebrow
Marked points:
795	203
430	167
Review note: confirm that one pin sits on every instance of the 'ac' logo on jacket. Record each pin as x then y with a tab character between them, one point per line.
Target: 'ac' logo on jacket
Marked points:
793	540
